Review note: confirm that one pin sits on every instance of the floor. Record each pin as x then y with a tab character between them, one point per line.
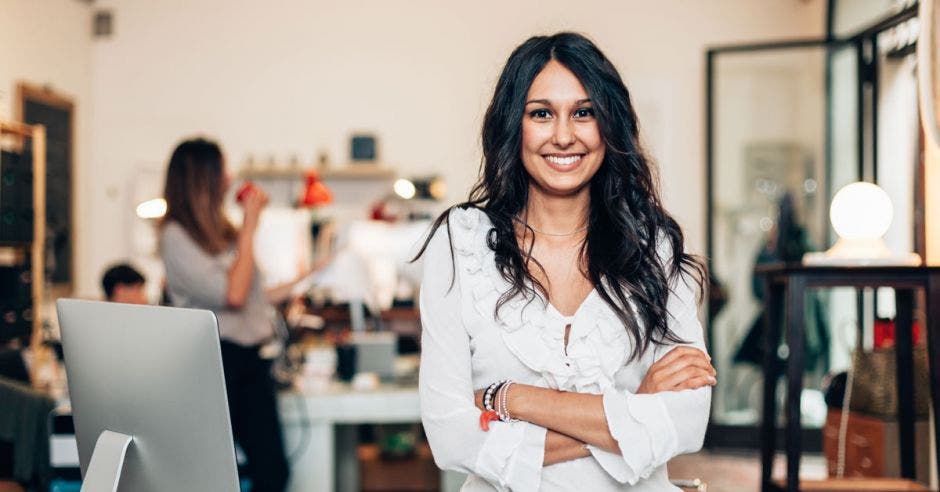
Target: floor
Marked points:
737	472
726	471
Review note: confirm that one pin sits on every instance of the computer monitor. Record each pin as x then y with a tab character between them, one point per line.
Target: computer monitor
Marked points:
151	377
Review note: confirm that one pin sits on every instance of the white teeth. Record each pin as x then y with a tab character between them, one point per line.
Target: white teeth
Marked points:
564	161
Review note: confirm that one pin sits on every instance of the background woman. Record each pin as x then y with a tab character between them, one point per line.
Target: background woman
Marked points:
564	275
210	265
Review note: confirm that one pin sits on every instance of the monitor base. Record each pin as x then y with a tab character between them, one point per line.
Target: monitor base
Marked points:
107	461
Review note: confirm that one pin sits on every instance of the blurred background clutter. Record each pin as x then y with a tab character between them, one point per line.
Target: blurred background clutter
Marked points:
360	120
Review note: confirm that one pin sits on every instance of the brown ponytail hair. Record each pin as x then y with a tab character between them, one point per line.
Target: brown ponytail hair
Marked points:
194	193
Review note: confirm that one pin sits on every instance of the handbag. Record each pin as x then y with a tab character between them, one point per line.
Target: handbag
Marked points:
875	385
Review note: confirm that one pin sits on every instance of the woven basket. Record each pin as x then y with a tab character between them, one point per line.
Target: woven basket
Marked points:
875	384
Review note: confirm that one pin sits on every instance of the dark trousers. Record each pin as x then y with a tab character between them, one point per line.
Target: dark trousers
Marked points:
255	423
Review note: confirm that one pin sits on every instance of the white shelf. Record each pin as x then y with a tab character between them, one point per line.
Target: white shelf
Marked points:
348	172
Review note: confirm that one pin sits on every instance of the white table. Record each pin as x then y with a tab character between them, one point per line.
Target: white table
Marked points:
329	461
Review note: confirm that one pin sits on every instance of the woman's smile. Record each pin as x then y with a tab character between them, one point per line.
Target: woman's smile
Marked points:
563	162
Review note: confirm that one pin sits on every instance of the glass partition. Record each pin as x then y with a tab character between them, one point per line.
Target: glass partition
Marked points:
771	177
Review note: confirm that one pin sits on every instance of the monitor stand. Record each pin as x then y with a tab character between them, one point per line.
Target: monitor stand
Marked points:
107	461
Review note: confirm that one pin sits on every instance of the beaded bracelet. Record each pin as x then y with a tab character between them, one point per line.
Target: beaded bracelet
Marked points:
490	393
503	402
490	414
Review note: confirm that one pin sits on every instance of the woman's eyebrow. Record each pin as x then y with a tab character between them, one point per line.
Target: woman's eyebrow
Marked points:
549	103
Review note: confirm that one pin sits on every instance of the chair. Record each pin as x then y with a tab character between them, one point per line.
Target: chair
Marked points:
23	418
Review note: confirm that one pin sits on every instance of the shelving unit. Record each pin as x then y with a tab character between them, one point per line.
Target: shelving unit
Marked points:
347	172
358	171
33	250
352	184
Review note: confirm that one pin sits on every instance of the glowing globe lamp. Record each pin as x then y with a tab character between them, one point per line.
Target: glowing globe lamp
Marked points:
861	214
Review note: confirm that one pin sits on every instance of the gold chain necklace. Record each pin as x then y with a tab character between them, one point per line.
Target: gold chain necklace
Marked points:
566	234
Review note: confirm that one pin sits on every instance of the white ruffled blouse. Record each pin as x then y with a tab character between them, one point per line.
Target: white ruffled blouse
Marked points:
465	349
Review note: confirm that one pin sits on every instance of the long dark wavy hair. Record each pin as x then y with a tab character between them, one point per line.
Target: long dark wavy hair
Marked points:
626	219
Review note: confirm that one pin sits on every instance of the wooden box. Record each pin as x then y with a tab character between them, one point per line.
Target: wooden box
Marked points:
411	474
872	448
860	485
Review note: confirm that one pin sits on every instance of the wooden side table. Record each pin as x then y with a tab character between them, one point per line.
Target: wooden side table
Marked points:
786	286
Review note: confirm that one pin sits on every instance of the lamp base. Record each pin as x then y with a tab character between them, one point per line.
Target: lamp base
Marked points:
861	252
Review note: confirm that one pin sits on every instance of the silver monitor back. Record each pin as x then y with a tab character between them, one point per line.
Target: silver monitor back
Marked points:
154	373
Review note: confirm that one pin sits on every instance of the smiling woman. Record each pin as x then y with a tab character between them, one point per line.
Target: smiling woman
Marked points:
563	350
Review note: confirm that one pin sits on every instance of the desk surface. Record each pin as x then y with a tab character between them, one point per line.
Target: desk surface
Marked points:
814	276
328	461
342	404
797	267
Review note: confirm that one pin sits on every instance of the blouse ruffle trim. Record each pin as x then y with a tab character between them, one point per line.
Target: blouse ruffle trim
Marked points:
508	457
597	347
647	436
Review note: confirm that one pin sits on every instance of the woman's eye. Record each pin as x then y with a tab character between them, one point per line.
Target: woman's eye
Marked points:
584	113
540	114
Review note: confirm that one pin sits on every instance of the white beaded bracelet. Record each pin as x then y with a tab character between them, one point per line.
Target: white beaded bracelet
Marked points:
502	398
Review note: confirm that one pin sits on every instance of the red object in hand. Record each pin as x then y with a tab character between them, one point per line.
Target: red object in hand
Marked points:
486	417
242	192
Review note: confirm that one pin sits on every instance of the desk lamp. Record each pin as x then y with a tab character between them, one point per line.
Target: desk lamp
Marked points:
151	209
400	203
316	192
405	188
861	214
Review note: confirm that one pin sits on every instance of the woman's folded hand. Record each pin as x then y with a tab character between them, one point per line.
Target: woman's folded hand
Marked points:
682	368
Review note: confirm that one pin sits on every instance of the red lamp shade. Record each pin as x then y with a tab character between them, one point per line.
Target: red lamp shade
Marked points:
315	192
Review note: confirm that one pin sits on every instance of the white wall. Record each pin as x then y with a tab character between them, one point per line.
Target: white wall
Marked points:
296	76
49	43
